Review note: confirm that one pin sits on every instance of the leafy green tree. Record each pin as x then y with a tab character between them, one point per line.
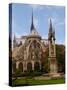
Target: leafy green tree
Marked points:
60	54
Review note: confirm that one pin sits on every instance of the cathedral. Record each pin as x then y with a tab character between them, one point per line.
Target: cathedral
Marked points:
28	54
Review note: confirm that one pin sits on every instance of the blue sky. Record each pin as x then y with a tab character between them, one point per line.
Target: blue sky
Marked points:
22	15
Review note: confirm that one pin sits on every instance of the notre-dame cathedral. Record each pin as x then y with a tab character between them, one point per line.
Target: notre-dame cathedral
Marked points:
28	54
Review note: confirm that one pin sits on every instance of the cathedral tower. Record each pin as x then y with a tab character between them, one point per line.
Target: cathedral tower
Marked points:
32	25
52	50
33	30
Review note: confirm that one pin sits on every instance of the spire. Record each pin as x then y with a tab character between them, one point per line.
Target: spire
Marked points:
50	30
51	33
54	34
14	37
50	27
14	41
33	30
32	25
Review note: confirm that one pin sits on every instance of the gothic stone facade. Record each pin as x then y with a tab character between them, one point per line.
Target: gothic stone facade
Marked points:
27	55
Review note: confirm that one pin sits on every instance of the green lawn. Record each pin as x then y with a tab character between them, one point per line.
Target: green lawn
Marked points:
26	82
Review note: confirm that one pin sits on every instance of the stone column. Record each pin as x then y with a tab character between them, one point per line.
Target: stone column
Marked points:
24	66
32	65
17	64
25	55
54	48
53	65
49	49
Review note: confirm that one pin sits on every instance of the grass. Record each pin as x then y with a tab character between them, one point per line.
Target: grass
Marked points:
28	81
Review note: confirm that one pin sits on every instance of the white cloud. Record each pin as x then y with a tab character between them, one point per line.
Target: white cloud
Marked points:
36	6
36	23
24	34
48	7
56	22
60	42
44	36
61	23
15	26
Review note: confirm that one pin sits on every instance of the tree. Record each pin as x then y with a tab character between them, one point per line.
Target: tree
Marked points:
60	56
60	51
